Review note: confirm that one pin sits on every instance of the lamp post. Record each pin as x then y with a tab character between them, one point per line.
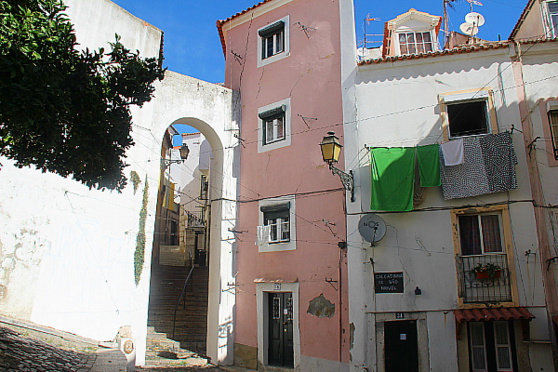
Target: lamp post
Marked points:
184	152
331	149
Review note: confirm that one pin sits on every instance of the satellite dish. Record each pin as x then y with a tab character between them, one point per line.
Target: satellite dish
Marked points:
476	18
372	228
469	29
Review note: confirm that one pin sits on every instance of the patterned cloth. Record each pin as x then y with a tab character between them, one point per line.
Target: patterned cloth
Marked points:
489	167
499	161
467	179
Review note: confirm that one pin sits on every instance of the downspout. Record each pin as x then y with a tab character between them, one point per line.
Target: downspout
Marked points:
549	279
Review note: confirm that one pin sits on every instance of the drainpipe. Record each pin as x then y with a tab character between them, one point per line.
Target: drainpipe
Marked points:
546	255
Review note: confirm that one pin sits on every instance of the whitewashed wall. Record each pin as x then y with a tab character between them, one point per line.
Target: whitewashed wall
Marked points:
67	252
396	105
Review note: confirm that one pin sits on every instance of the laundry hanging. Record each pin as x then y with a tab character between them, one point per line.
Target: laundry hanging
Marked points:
488	167
499	161
393	176
428	158
452	152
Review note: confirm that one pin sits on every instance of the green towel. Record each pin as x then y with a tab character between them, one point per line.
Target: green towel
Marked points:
429	165
393	178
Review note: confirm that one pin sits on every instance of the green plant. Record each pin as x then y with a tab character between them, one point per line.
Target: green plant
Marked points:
492	270
136	180
139	254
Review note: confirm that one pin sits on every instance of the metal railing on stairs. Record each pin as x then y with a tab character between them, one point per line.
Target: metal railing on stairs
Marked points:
182	296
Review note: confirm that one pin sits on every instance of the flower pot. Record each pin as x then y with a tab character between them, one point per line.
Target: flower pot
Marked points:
486	274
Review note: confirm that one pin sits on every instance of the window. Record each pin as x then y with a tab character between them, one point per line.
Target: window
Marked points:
482	238
277	231
480	234
490	346
273	39
277	218
467	118
553	13
553	120
274	125
468	113
273	42
415	42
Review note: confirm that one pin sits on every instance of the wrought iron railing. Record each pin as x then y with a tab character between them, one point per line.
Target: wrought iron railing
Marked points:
484	278
182	298
196	219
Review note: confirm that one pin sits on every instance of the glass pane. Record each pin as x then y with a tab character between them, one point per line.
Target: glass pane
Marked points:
410	38
412	49
280	42
491	233
476	334
427	37
420	48
501	333
428	47
402	39
280	128
553	117
290	315
469	235
270	46
553	7
269	137
276	308
419	37
504	362
479	360
404	49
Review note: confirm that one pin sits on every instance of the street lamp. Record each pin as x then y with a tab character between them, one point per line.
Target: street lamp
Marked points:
184	152
331	149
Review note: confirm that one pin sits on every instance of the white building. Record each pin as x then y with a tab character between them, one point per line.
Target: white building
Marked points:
417	302
67	252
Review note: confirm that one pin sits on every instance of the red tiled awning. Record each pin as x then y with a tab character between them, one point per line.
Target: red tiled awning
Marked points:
486	314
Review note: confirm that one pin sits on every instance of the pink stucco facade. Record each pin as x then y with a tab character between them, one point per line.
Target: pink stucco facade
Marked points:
306	79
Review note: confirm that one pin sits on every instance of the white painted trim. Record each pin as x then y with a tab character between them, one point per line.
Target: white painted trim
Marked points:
263	319
291	244
258	11
281	143
287	48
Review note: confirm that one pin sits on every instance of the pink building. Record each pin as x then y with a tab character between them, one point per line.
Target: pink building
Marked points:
284	58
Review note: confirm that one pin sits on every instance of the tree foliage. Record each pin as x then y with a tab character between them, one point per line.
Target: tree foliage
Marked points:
64	110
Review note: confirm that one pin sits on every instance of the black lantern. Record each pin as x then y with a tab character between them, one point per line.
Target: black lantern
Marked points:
331	149
184	152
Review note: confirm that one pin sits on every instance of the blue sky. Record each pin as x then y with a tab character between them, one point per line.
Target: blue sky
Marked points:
192	45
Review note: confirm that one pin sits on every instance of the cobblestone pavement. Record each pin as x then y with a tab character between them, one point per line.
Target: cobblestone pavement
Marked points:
18	353
27	350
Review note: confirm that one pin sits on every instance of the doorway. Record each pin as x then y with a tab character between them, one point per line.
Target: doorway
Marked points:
281	350
401	346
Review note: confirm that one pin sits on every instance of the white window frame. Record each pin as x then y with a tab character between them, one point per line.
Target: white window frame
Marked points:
416	44
472	95
553	126
276	143
552	19
278	55
279	245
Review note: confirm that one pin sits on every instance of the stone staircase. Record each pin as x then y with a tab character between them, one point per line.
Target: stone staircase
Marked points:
188	338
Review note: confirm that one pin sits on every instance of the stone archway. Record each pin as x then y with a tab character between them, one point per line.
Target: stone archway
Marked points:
212	110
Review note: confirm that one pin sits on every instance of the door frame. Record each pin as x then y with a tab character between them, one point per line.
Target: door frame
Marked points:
263	318
422	337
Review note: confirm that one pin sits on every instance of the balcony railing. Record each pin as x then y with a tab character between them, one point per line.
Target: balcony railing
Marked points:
493	286
196	219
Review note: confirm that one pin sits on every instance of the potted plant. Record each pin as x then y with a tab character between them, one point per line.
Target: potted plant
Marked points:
487	271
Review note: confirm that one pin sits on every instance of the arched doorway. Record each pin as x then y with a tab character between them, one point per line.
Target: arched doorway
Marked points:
213	111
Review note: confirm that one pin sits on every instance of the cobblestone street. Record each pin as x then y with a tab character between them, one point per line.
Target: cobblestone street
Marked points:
28	350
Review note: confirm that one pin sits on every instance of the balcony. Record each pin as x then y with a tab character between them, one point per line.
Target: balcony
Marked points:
196	219
484	287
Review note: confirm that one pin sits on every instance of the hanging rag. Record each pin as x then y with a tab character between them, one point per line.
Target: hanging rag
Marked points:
453	152
393	177
428	157
262	236
467	179
499	161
